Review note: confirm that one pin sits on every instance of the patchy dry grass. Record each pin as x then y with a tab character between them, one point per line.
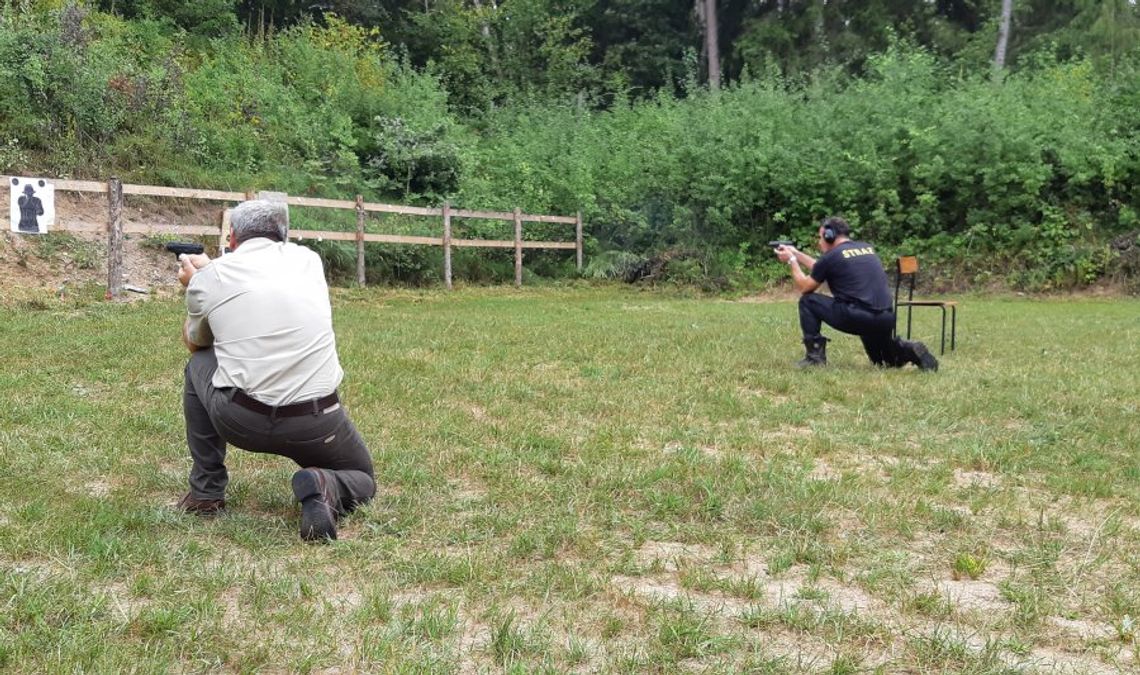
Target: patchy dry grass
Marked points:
589	480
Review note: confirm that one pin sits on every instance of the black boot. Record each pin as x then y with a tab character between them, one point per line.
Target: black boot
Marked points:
915	352
816	353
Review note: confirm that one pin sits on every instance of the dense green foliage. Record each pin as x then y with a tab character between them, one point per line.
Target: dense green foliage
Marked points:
878	110
1038	170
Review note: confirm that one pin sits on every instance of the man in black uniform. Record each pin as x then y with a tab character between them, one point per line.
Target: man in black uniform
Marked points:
861	301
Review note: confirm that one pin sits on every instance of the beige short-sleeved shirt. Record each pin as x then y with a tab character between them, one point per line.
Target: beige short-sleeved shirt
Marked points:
265	309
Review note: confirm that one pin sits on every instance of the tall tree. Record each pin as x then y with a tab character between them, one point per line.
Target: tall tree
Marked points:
1116	30
1003	34
712	43
641	42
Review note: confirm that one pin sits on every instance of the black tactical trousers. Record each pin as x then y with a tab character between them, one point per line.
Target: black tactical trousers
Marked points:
874	328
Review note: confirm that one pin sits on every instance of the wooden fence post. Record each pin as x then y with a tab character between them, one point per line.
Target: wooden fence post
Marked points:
447	244
518	247
224	232
360	240
114	237
578	239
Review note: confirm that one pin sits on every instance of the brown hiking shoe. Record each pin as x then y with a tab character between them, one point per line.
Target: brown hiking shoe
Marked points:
318	505
201	507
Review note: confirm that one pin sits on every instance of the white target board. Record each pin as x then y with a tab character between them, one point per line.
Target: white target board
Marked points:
32	209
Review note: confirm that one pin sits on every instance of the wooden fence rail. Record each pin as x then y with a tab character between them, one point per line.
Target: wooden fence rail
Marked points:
115	229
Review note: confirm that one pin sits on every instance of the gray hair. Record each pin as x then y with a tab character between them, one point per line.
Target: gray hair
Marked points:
260	218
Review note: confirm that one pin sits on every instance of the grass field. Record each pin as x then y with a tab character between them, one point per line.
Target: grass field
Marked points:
590	480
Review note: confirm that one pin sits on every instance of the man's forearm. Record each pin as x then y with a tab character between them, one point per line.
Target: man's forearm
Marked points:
186	338
805	283
800	279
804	259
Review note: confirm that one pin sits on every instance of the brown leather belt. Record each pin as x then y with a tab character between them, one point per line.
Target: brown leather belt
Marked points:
313	406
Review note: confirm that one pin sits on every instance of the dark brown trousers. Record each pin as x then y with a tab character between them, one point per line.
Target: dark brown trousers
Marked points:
323	439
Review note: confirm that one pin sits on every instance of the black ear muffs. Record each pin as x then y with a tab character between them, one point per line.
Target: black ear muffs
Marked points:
829	234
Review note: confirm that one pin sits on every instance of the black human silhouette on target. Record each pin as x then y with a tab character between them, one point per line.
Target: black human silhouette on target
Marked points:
31	208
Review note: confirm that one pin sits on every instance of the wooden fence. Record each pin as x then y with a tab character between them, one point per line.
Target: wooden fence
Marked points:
115	191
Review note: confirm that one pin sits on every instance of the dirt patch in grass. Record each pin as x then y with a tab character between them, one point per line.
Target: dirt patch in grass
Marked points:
467	490
729	615
125	604
771	397
969	479
821	470
710	451
788	434
1086	631
1057	661
972	595
40	569
230	601
770	296
478	413
851	599
472	641
673	556
791	590
97	488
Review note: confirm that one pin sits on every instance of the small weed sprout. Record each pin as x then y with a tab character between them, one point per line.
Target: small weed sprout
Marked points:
1126	629
968	565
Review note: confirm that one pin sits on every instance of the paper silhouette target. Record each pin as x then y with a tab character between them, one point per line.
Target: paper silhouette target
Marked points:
33	205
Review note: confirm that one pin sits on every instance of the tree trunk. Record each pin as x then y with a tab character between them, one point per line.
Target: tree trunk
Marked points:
486	27
492	47
712	44
1003	34
705	11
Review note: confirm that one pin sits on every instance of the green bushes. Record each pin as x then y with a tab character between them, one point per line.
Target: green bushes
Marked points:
1028	178
90	93
54	97
1035	173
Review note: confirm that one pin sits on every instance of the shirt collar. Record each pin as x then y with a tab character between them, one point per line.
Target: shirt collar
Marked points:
256	244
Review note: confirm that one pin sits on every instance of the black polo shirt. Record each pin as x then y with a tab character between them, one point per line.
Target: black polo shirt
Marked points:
855	275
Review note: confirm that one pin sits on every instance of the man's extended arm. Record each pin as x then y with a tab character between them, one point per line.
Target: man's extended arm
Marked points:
188	266
794	257
196	332
804	259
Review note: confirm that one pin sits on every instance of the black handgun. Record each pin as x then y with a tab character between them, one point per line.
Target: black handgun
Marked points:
178	248
781	242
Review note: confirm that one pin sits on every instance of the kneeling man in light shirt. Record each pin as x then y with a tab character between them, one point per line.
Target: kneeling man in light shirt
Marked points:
263	372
